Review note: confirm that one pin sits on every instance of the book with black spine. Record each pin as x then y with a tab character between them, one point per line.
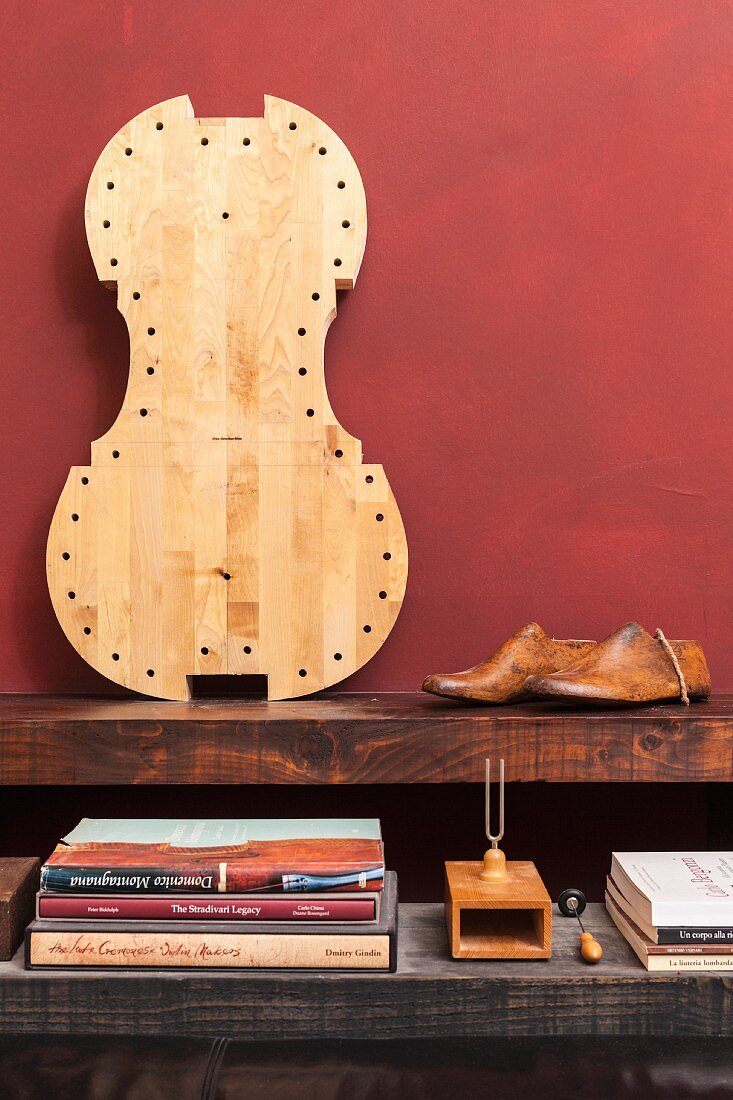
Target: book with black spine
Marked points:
663	958
682	935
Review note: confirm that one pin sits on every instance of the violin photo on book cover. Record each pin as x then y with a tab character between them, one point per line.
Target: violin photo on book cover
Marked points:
218	856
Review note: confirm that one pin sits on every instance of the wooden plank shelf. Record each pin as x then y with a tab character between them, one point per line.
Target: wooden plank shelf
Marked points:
431	995
384	738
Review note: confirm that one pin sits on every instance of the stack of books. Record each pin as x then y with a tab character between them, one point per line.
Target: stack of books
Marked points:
279	894
674	908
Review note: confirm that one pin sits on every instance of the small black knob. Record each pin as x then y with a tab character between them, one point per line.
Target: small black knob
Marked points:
568	895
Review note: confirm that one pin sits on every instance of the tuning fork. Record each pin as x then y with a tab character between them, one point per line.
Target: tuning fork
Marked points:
494	869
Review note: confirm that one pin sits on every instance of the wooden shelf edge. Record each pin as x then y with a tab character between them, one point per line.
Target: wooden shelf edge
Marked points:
381	738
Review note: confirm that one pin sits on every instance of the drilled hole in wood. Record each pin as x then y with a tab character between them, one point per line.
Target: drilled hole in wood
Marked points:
379	517
136	295
151	332
339	454
113	262
227	576
337	262
301	331
204	141
143	412
128	151
246	141
310	412
204	650
159	126
387	556
66	555
151	672
302	371
106	223
367	629
74	517
71	595
341	184
322	150
225	215
293	126
369	479
115	656
337	656
115	454
151	370
110	186
345	224
85	481
302	672
87	630
383	595
247	649
315	296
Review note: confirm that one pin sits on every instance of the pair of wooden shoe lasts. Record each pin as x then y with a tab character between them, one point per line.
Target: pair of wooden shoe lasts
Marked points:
630	666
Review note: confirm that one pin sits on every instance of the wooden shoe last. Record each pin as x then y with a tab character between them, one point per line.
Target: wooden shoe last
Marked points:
500	678
630	666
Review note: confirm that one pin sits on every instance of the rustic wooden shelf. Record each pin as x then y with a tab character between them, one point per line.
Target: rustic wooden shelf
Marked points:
431	995
385	738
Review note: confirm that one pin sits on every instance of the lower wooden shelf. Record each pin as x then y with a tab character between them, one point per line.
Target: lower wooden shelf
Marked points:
430	996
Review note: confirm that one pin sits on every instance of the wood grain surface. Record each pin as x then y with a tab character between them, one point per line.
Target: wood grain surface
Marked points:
226	524
19	880
386	738
497	920
431	995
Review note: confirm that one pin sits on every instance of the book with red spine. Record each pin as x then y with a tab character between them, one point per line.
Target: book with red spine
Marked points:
205	907
184	945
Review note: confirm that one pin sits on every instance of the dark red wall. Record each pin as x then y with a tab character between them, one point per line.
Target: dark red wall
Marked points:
535	350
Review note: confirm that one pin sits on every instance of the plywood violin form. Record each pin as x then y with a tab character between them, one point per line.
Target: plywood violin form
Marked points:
226	524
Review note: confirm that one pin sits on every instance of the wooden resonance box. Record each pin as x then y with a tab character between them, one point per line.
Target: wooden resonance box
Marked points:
497	920
497	909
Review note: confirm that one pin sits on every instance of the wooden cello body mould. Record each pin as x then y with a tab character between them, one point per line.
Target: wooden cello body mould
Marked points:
226	524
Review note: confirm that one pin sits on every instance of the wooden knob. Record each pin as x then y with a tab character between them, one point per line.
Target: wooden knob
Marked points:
590	949
494	869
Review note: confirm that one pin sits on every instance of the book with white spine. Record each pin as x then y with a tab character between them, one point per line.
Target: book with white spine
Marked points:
676	889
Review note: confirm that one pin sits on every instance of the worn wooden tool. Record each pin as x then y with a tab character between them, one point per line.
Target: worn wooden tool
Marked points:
572	903
226	523
501	677
630	666
18	885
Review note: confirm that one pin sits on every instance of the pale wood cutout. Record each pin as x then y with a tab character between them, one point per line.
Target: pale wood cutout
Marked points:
226	523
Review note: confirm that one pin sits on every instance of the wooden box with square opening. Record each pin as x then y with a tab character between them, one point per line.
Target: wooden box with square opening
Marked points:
497	920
